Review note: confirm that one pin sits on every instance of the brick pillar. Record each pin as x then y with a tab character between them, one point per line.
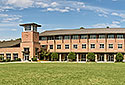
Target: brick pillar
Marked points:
5	56
105	60
60	57
77	57
95	57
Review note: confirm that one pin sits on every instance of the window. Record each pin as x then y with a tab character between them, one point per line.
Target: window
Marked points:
84	36
101	45
58	37
75	46
28	28
110	45
8	56
2	56
111	36
43	46
119	46
58	46
26	49
51	46
119	36
75	37
15	56
35	28
83	46
92	36
67	37
50	38
43	38
101	36
66	46
92	45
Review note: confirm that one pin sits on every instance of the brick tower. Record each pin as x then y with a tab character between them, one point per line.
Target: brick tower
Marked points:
30	41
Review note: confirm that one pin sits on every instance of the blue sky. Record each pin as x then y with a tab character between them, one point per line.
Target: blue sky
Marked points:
59	14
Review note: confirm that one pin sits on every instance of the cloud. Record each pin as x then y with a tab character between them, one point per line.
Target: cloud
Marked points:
20	3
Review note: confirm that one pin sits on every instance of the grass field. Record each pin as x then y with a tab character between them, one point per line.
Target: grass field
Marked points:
62	74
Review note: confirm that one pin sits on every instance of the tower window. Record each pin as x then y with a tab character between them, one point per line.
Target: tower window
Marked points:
28	28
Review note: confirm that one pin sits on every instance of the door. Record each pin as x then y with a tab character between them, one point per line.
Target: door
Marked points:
26	57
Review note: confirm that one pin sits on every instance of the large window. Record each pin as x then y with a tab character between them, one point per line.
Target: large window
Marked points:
28	28
110	45
35	28
84	36
101	36
43	38
119	36
119	46
15	56
58	37
92	45
67	37
75	37
51	46
83	46
66	46
111	36
58	46
92	36
75	46
101	45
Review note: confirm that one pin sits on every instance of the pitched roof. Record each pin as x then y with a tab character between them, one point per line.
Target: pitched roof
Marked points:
30	24
83	31
11	43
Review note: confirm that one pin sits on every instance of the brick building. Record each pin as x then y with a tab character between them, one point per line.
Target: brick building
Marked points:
104	42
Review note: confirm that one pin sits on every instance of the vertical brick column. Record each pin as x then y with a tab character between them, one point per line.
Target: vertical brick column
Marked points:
12	58
4	56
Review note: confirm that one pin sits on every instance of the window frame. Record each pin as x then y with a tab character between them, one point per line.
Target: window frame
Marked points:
58	46
92	47
75	47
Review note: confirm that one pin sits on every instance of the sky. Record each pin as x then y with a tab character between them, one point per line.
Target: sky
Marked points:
59	14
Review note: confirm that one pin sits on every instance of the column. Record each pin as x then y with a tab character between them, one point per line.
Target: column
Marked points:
60	57
86	57
12	56
105	60
77	57
4	56
95	57
114	57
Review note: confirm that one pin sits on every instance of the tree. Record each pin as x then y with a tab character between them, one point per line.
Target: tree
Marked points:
91	56
54	56
71	56
44	54
119	57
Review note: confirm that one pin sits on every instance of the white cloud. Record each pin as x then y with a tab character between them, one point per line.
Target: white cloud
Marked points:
115	22
54	4
57	9
20	3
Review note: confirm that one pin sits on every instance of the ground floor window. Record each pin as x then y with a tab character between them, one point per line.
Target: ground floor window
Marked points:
110	57
8	56
83	57
100	57
1	56
15	56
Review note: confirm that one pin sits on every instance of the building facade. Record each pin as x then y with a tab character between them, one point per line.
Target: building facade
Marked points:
104	42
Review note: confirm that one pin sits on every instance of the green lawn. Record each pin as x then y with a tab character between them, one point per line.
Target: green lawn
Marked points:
62	74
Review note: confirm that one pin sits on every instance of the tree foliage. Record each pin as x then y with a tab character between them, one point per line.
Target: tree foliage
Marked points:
119	57
54	55
43	54
91	56
71	55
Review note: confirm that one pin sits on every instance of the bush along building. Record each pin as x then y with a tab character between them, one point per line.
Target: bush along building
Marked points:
80	45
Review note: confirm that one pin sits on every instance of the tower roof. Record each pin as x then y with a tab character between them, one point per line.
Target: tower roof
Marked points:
30	24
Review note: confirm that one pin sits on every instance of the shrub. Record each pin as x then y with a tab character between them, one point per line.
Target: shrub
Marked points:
8	60
91	57
71	56
1	59
18	59
119	57
34	59
54	56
